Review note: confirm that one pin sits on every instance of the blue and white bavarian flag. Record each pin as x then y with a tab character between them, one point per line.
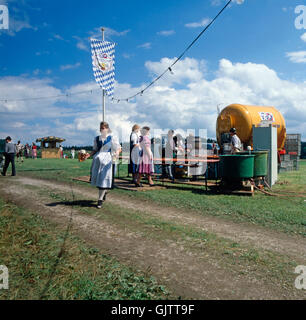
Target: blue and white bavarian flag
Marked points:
103	63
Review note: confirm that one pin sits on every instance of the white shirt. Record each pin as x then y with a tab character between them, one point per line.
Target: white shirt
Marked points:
134	138
115	143
236	143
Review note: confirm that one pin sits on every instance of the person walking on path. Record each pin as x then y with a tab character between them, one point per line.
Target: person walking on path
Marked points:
146	162
106	149
9	154
19	151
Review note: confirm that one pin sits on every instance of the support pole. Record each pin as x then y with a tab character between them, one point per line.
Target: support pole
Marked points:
103	91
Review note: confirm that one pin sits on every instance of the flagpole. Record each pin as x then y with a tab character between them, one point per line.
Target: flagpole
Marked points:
103	94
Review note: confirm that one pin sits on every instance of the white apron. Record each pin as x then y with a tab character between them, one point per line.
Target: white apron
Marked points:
102	168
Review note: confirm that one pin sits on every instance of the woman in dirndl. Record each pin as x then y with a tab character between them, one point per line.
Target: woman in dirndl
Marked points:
106	149
134	153
146	161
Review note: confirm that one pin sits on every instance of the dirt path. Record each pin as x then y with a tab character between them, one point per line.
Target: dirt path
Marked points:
257	236
187	273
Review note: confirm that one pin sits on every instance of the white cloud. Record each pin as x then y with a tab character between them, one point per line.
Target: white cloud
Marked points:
166	33
58	37
112	32
16	25
127	55
219	2
18	125
303	37
15	88
146	45
186	100
39	53
297	56
194	104
82	44
184	70
204	22
70	66
216	2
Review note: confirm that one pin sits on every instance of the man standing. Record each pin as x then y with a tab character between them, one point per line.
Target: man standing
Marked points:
10	150
235	141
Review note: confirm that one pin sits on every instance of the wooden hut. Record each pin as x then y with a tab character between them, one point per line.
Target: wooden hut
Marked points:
50	147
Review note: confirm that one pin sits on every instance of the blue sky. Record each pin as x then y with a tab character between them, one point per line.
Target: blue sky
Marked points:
253	54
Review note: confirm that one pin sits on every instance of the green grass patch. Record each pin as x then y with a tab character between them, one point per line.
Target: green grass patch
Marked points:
30	246
279	213
229	254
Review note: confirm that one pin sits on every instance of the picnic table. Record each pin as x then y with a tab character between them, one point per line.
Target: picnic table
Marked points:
185	162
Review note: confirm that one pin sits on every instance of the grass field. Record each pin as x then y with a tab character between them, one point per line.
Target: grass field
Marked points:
40	269
47	261
287	214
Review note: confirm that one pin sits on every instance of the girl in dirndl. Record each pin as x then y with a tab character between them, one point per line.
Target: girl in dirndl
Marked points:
146	165
105	149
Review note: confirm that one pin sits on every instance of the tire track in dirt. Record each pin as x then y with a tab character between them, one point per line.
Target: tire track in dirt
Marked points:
257	236
186	273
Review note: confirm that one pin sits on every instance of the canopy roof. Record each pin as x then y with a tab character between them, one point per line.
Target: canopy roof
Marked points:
50	139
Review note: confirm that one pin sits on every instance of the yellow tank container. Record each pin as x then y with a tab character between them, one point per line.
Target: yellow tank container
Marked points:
243	117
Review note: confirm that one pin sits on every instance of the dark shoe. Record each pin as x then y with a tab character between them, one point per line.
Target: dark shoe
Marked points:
100	203
138	185
3	174
152	185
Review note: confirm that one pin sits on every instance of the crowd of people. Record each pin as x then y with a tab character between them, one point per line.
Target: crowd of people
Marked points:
173	152
26	151
106	149
141	155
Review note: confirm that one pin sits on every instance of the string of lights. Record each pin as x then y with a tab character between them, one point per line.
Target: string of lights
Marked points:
169	69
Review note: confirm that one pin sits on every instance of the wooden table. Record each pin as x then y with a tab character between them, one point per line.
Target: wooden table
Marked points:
183	161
